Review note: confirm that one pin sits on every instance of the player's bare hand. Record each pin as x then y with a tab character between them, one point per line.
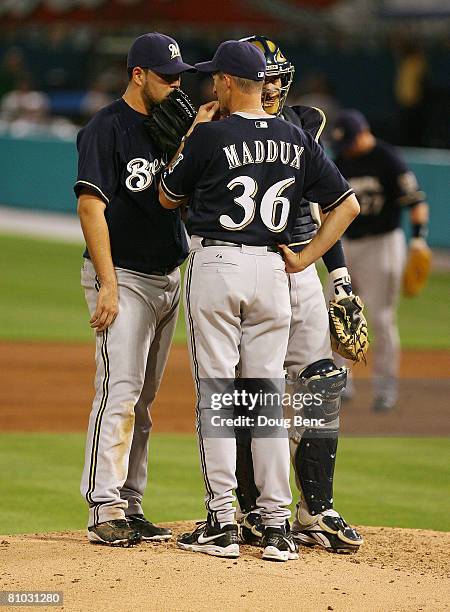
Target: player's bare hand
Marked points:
205	114
293	262
107	307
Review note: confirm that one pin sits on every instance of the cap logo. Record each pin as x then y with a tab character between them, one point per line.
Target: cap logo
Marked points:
260	75
174	50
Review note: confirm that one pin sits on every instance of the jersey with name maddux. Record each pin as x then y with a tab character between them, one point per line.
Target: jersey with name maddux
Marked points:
245	177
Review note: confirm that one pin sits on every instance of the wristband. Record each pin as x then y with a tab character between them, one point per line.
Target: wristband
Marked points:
342	283
420	230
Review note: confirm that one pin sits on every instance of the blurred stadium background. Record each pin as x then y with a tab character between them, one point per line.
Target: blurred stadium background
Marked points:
62	60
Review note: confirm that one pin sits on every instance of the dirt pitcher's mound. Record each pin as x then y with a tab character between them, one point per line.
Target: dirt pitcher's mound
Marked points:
396	569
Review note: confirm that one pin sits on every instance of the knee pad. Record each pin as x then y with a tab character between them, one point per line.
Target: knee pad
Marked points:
316	395
324	381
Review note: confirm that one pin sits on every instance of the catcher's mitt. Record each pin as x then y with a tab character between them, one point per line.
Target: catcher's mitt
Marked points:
417	268
348	328
169	122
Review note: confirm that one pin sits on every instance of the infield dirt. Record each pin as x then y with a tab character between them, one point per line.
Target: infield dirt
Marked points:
396	569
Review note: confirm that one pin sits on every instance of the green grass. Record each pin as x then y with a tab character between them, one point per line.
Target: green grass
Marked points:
41	298
40	293
397	482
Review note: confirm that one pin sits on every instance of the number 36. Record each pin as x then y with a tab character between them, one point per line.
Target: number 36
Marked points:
270	203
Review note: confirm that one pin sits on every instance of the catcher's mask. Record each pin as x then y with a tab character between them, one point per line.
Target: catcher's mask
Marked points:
277	65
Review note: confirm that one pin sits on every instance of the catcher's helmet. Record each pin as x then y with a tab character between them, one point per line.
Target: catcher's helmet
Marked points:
276	66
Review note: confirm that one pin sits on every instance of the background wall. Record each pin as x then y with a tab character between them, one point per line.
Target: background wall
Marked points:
39	173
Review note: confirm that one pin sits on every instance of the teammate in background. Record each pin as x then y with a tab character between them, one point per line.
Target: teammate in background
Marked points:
131	281
375	243
308	358
246	175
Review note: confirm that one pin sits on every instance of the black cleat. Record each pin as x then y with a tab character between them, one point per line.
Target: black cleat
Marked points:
114	533
278	544
329	531
252	529
212	540
147	530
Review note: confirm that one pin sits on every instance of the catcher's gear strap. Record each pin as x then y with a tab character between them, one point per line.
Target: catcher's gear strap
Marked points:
348	328
310	119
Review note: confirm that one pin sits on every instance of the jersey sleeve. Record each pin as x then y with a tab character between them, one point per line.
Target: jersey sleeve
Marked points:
406	189
96	159
324	183
181	177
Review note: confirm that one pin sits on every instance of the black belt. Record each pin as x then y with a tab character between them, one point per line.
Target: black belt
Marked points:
161	272
209	242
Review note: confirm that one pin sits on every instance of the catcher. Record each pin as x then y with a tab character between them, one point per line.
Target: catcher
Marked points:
309	364
375	242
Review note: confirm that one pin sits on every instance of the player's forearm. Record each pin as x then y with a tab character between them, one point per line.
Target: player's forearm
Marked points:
332	228
96	234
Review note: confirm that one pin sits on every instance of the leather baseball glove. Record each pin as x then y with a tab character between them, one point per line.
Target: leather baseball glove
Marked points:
417	267
348	328
169	122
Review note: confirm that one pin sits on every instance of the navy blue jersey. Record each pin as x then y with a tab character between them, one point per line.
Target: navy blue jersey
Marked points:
246	176
311	120
119	163
383	185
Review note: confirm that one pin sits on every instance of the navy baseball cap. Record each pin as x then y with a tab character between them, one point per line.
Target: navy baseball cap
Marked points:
348	124
158	52
238	58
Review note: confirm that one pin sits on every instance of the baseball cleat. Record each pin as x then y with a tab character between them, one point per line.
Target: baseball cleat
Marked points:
329	531
114	533
212	540
278	544
147	530
251	529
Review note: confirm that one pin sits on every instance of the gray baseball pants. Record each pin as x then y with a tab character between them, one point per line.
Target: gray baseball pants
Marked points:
376	265
130	358
237	313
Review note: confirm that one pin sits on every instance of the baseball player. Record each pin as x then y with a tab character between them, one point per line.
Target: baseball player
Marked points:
375	243
131	281
245	176
308	360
